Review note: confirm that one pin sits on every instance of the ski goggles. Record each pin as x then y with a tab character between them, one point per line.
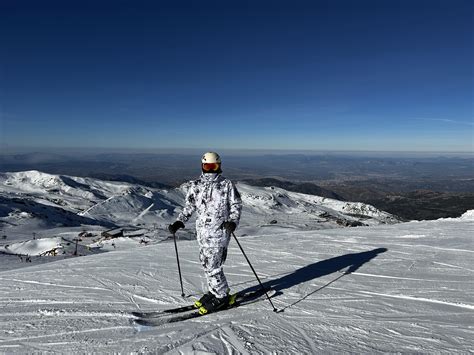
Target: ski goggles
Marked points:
211	166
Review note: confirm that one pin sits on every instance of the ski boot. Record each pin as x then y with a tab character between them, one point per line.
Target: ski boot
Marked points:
205	298
215	304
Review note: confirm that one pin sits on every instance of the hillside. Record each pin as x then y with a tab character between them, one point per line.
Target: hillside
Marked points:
34	204
407	199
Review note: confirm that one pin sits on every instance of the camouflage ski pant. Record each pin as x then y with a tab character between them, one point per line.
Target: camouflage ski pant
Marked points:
212	260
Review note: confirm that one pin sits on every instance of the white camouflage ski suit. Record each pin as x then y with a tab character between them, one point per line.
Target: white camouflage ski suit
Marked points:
216	201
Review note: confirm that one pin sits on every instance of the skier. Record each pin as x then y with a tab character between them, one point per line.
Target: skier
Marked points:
218	205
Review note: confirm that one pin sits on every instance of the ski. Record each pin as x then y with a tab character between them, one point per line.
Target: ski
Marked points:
240	300
154	314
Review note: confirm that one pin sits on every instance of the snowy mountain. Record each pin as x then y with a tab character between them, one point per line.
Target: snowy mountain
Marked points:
402	288
58	205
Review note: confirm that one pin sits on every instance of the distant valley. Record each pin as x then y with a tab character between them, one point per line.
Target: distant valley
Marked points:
390	196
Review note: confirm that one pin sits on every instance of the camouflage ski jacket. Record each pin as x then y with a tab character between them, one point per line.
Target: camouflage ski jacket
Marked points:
215	200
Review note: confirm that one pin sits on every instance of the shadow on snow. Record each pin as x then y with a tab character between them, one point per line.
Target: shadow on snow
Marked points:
321	268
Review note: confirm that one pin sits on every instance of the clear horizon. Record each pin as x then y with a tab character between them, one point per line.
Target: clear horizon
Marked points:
228	151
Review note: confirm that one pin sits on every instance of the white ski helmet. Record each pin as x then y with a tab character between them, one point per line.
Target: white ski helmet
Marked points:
211	157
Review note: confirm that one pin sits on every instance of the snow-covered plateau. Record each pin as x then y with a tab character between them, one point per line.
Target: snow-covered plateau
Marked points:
382	286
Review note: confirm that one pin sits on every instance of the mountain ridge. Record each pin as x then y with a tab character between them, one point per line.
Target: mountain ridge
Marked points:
102	205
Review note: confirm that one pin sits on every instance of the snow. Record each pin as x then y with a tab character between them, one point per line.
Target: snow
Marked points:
382	287
32	247
415	297
35	201
468	215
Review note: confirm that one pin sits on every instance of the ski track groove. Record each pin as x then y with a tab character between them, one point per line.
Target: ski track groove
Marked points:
127	295
150	300
233	340
453	266
68	313
56	285
176	345
311	345
74	332
421	299
10	301
429	246
395	277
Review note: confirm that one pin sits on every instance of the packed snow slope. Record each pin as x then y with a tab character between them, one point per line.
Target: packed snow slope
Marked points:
391	288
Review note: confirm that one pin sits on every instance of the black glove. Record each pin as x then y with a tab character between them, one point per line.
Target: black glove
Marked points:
175	226
229	226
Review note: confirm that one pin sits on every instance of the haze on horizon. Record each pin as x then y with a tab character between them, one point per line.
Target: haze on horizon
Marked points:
267	76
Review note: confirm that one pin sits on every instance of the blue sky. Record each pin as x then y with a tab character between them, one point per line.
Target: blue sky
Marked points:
322	75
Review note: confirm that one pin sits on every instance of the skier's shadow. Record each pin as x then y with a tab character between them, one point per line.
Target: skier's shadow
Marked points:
325	267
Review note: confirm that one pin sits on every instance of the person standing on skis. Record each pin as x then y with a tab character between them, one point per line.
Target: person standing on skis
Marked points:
218	206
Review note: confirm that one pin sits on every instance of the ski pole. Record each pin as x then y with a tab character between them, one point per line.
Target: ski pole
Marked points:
258	279
179	268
